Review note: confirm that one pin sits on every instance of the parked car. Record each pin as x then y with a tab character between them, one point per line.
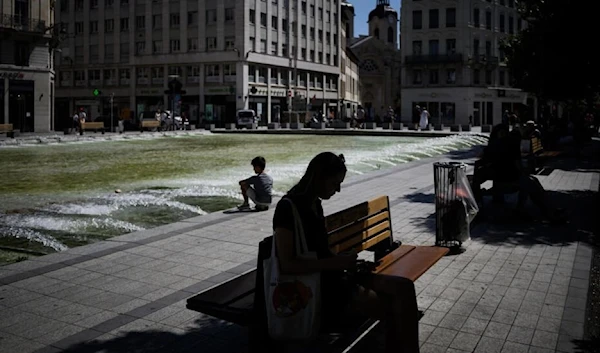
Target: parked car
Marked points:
245	118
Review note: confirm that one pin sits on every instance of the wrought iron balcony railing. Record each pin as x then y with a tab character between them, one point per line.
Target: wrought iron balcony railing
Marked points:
21	23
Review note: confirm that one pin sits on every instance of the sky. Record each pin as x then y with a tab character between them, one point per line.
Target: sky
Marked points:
362	9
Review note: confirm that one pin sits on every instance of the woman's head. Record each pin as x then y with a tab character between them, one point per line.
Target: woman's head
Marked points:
323	177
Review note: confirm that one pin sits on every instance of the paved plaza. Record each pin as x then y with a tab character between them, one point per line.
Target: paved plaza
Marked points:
518	287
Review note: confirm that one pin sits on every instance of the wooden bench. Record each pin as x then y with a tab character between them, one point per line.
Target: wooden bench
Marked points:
7	129
96	126
366	226
149	124
538	154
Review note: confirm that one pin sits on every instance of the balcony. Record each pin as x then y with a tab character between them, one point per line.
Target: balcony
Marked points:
22	24
433	59
483	60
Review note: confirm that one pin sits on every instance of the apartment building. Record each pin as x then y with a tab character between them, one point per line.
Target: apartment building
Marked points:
453	64
349	65
229	55
26	70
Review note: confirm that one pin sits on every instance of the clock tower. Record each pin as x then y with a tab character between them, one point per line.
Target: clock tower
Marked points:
383	23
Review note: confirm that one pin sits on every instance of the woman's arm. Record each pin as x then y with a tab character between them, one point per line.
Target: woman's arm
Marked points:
290	264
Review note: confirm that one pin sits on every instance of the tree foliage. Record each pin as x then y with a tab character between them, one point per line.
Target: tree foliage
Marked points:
555	56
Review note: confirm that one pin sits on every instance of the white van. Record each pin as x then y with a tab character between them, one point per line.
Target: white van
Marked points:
245	117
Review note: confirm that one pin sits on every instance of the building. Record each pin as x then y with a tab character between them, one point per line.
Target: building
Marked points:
229	55
26	68
349	71
380	61
452	62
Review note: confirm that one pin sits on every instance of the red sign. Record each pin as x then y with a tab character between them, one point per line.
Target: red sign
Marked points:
11	75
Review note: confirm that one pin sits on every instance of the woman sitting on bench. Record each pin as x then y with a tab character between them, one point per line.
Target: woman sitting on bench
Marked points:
503	156
391	299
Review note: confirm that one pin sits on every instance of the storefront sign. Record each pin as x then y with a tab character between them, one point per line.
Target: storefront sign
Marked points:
11	75
219	90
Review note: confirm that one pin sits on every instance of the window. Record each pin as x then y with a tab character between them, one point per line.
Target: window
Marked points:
93	4
211	43
434	18
320	35
22	52
140	48
211	17
434	47
320	57
157	21
312	33
284	50
252	16
193	71
320	13
109	26
157	75
263	46
501	24
304	7
253	43
451	76
328	37
328	16
229	43
262	74
312	55
501	78
488	20
417	47
488	48
511	3
192	18
79	75
94	75
501	52
451	17
274	48
192	44
284	25
251	73
124	51
124	2
519	24
141	73
303	53
108	74
390	35
488	77
417	18
475	46
212	71
312	10
175	20
124	74
109	3
511	25
274	76
93	27
109	51
157	46
476	75
94	53
175	45
175	71
417	77
303	31
78	5
263	19
434	77
124	24
476	22
229	70
78	27
140	22
274	22
229	14
450	46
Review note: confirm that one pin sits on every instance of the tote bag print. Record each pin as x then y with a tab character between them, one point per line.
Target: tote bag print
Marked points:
292	301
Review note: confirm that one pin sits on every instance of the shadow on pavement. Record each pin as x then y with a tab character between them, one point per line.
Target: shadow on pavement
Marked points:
206	334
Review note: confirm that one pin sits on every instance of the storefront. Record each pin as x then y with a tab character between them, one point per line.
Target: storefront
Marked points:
190	105
3	116
219	105
145	104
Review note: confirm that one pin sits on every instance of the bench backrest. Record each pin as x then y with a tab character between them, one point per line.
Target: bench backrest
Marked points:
536	145
151	123
6	127
360	227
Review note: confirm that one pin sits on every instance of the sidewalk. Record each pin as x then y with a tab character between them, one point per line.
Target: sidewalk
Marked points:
517	287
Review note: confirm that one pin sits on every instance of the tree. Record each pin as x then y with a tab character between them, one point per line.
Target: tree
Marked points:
555	55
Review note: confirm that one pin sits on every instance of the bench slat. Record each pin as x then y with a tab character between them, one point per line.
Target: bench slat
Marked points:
229	291
416	262
341	234
394	256
356	213
377	233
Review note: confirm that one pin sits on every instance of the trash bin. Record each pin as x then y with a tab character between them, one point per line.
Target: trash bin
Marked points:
455	205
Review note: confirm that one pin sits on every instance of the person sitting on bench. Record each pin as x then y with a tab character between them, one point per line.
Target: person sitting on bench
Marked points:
257	188
387	298
504	156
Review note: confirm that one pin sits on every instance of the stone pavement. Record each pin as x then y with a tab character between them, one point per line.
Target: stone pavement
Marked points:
517	287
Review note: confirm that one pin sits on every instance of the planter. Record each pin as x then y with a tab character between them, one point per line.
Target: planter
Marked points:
230	126
296	126
370	125
318	126
338	124
438	127
397	126
209	127
285	125
387	126
274	126
466	127
456	128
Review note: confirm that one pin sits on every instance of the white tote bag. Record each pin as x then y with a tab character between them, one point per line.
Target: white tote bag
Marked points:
293	302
